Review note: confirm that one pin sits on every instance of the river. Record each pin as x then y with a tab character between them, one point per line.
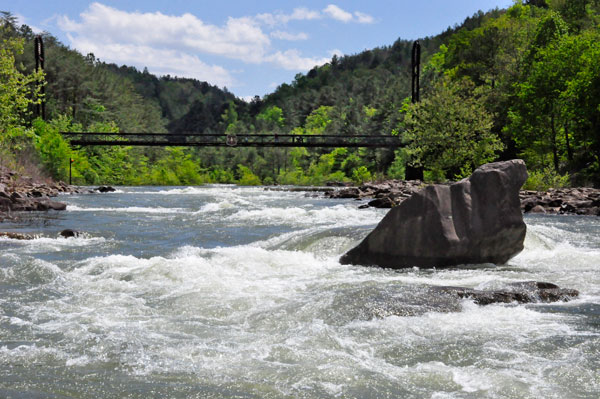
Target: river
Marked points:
224	291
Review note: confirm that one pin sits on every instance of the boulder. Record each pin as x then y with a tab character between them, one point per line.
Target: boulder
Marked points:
385	202
5	204
538	209
476	220
23	204
350	192
68	233
105	189
47	205
16	196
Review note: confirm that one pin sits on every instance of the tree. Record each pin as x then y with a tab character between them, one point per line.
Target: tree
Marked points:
17	90
449	132
582	99
536	114
555	112
272	118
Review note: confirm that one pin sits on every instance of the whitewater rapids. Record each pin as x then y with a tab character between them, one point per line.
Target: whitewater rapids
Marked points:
222	291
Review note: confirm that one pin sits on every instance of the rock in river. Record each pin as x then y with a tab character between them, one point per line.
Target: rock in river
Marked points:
68	233
105	189
476	220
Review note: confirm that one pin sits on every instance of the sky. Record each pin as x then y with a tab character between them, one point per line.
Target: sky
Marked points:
250	47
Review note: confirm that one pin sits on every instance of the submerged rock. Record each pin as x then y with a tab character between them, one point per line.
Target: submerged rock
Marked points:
105	189
68	233
21	236
17	236
522	292
412	300
476	220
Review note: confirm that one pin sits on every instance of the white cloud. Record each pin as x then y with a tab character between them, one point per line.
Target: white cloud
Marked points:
247	99
289	36
175	45
363	18
299	14
21	20
239	38
339	14
336	12
159	61
293	60
304	14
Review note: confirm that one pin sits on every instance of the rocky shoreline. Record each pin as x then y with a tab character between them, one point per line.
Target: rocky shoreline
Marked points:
25	194
564	201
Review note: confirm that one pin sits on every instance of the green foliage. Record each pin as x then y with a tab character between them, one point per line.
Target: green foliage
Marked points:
450	130
318	120
397	169
54	151
219	175
17	90
361	175
518	82
555	119
272	117
544	179
247	178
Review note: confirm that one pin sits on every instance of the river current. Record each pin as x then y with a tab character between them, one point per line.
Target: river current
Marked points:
224	291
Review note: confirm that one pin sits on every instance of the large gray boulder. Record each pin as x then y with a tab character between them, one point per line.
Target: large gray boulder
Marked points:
476	220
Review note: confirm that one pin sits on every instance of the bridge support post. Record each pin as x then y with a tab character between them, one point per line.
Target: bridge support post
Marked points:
416	71
38	46
411	172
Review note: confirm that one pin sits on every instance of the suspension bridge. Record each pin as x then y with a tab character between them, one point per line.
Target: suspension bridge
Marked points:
222	140
232	140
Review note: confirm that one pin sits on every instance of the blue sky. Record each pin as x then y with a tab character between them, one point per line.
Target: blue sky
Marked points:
250	47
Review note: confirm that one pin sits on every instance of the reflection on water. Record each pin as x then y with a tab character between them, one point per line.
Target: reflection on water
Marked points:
222	291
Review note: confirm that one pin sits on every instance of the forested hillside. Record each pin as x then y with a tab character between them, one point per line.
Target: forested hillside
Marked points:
522	82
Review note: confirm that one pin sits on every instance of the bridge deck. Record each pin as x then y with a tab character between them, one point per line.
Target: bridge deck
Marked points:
221	140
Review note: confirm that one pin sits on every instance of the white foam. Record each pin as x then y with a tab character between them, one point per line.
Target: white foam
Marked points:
181	191
129	209
29	354
78	361
49	244
335	216
15	321
215	207
291	322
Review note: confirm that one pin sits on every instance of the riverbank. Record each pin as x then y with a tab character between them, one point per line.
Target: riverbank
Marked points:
563	201
23	193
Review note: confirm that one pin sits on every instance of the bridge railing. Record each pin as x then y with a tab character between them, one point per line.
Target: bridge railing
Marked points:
238	140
